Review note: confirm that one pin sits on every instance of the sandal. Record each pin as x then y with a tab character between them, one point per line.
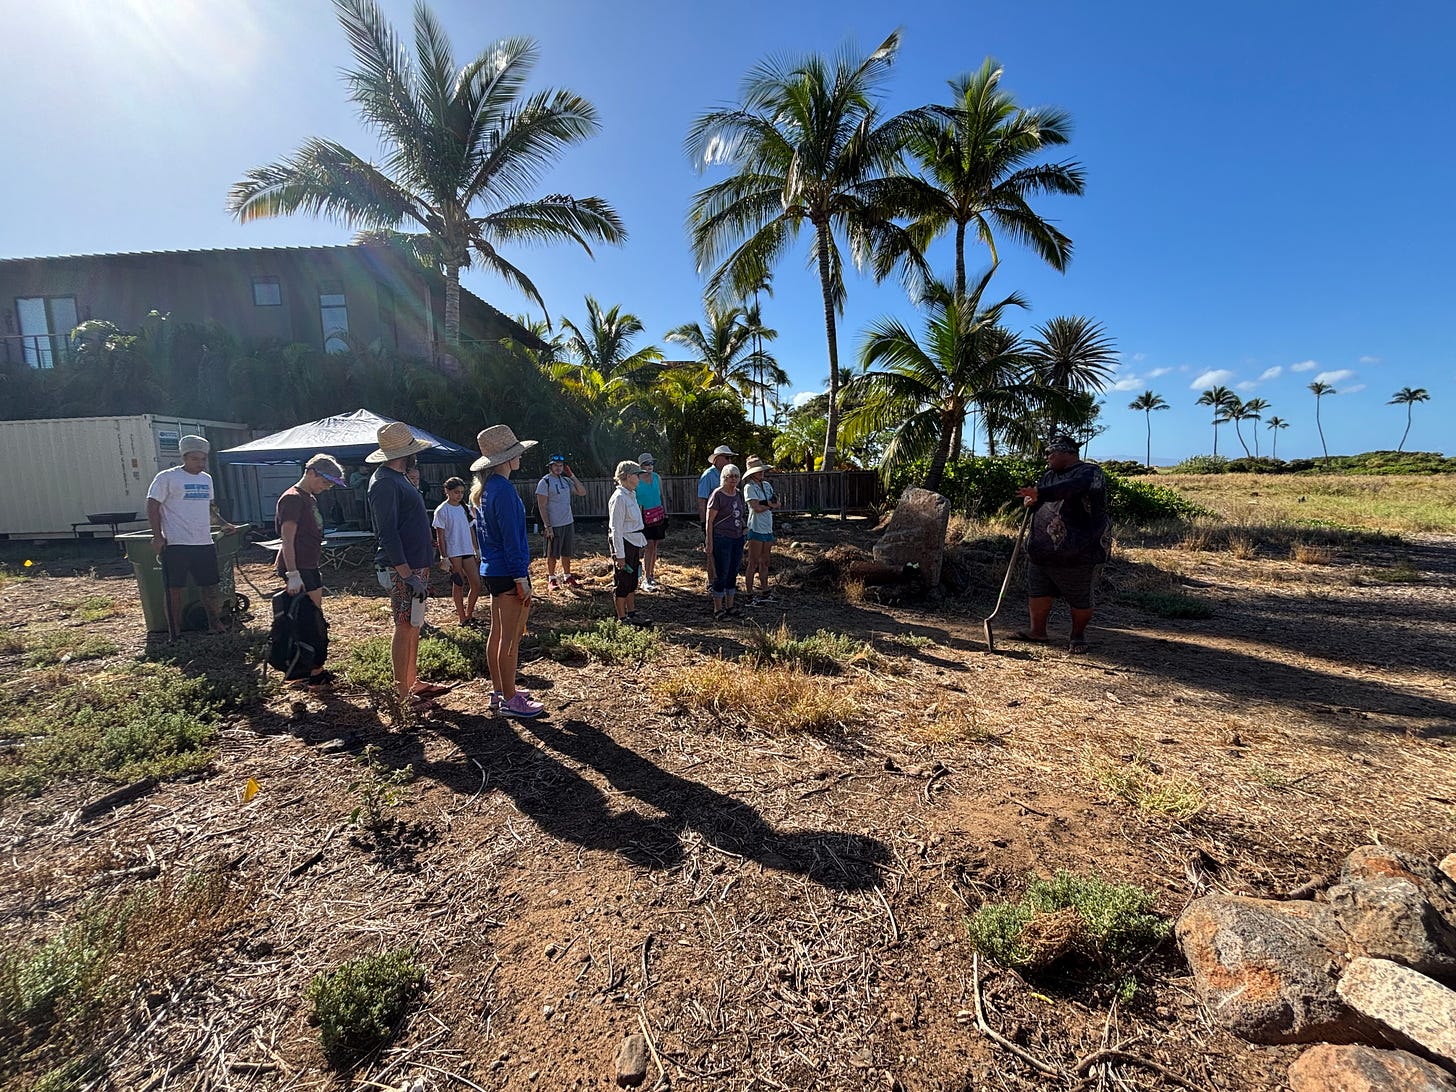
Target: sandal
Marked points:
423	706
1022	635
429	690
1077	645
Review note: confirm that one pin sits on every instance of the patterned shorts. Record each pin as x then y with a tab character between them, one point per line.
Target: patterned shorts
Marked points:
400	597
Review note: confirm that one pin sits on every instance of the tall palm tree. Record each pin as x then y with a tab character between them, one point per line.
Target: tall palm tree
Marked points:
725	351
464	147
1072	354
925	387
1320	390
1218	397
1274	424
978	157
812	149
1145	404
1253	410
1407	397
1233	410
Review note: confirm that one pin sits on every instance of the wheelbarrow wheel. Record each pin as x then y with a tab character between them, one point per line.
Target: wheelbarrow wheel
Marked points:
242	605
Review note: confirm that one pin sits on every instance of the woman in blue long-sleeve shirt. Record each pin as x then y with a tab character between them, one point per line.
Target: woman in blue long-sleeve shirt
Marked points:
505	563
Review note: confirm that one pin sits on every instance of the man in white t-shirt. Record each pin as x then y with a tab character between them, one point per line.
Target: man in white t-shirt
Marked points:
181	510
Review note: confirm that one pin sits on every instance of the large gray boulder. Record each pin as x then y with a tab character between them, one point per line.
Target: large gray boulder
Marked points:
1329	1068
1408	1008
1267	970
916	533
1391	918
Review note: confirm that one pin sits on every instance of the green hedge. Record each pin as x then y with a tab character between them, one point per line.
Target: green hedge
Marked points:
986	485
1370	462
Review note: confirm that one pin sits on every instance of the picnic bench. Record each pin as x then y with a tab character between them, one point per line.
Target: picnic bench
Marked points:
342	549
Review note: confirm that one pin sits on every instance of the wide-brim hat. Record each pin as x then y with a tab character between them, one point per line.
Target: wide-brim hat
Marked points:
724	449
753	468
396	441
498	444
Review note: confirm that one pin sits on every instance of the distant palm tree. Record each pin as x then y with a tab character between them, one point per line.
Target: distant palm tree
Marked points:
1274	424
724	349
1253	410
1219	398
978	156
812	149
1233	410
1407	397
1320	390
462	147
925	387
1072	354
1145	403
604	341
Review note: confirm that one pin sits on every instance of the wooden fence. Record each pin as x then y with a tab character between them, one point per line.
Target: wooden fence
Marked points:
837	491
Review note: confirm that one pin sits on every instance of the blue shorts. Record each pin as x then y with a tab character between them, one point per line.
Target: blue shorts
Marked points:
760	536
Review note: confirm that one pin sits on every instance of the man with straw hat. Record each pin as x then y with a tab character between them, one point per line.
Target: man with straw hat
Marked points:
406	551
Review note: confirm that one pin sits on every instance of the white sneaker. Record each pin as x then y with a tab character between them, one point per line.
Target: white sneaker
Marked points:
649	585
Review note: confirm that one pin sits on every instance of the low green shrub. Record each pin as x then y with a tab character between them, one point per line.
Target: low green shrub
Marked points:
1126	468
1202	464
57	646
358	1005
1167	604
1144	502
822	652
608	642
445	655
1069	916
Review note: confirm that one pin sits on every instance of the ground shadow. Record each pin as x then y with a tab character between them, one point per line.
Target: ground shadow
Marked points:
568	806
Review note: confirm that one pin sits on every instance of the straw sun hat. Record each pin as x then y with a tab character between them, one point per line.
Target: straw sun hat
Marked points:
396	441
498	444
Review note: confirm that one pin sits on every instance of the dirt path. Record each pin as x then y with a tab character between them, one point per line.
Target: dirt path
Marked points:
778	912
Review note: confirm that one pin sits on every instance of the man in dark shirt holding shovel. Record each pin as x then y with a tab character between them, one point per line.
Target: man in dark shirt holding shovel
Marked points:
1068	542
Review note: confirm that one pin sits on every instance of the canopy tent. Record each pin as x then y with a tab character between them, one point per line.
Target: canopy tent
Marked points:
349	437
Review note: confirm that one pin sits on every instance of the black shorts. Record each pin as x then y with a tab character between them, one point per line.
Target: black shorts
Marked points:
625	581
655	532
1076	584
313	579
498	585
197	562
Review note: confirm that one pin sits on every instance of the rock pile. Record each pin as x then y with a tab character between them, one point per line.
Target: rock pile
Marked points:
1371	966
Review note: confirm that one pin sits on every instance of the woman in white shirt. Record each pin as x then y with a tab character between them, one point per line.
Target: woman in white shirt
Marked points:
761	504
624	524
454	525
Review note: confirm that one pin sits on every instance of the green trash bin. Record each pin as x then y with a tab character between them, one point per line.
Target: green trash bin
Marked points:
137	545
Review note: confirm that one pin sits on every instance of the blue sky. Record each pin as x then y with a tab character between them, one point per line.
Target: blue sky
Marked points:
1268	183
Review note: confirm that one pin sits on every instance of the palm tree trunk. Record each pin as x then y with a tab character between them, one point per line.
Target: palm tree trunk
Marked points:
1149	415
452	304
1215	437
960	269
1408	407
1323	446
831	431
959	445
1240	434
942	451
1274	454
1256	441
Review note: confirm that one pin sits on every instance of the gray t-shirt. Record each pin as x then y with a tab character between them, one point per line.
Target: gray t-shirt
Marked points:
556	488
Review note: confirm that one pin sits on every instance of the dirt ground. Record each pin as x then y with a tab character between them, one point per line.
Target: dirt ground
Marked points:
776	911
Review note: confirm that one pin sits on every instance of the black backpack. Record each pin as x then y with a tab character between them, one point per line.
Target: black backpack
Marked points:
299	639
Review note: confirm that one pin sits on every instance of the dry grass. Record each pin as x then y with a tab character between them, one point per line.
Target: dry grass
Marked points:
771	700
1307	553
1403	502
1139	782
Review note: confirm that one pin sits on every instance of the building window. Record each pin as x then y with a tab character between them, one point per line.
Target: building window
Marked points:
46	323
333	316
386	315
267	292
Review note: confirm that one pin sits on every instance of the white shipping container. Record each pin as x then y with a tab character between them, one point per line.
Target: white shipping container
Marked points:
60	471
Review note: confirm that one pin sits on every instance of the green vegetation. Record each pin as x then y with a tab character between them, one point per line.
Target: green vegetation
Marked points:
144	721
1167	604
377	788
58	998
1069	916
821	652
91	608
44	648
358	1006
448	655
1140	783
1367	463
607	641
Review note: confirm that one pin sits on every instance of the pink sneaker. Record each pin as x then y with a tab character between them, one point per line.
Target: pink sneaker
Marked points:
522	706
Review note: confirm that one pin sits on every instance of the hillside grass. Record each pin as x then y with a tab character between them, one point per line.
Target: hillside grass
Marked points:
1408	503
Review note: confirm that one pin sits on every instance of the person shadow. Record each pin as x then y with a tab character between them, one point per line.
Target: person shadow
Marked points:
568	806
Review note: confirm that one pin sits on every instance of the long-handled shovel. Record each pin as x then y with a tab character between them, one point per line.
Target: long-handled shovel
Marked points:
1006	581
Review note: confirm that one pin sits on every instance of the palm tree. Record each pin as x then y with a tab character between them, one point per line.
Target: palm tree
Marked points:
1253	410
1218	397
1407	397
1274	424
605	344
725	350
812	148
1320	390
463	150
1145	403
1072	354
1233	410
977	155
924	389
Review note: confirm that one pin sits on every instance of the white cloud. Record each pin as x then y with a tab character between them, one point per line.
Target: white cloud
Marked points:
1157	372
1356	389
1138	358
1369	360
1271	373
805	396
1213	378
1304	366
1334	377
1129	383
1249	385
